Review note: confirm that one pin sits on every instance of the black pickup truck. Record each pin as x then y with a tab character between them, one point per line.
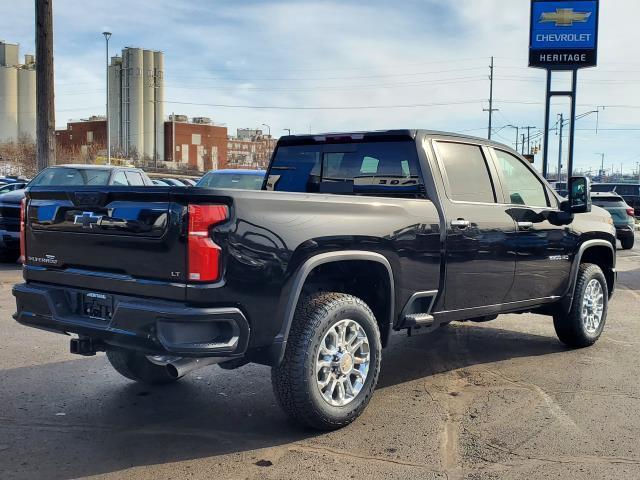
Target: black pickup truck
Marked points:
353	236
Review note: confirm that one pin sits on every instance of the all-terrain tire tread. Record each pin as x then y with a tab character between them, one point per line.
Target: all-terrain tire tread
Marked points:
290	384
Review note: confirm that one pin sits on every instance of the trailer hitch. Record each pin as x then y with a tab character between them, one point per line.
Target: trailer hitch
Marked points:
86	346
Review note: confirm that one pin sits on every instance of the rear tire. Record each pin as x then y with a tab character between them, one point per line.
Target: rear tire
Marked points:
583	324
627	243
316	384
136	366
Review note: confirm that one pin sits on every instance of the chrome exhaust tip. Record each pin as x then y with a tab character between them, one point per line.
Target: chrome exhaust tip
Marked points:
179	368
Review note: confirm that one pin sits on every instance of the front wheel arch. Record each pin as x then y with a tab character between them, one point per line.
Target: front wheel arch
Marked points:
598	252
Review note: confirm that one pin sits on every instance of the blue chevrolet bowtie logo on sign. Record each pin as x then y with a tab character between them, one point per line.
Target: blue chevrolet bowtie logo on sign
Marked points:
563	25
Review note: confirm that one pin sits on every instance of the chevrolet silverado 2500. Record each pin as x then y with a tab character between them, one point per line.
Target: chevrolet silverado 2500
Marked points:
353	236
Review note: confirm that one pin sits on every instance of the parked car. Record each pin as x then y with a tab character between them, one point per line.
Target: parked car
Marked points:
160	183
358	235
10	187
622	214
630	192
188	182
233	178
60	175
10	204
174	182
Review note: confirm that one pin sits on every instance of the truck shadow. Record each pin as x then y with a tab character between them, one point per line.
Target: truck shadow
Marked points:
79	418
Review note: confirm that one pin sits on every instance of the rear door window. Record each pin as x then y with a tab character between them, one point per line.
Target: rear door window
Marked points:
119	178
467	172
135	178
367	168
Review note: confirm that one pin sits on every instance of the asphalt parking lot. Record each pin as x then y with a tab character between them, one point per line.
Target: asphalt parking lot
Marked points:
498	400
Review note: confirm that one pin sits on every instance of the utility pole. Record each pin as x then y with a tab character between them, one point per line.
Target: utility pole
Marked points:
45	104
107	36
490	109
561	123
517	134
522	147
528	138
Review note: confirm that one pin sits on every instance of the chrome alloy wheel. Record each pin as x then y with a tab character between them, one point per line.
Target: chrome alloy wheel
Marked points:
342	363
592	306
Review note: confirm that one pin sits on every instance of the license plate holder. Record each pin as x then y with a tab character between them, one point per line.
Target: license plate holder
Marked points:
98	306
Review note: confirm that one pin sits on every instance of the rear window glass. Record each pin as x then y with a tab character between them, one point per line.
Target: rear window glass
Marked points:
368	168
231	180
608	202
66	176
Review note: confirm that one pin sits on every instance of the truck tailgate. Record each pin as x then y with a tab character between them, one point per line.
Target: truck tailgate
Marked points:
120	239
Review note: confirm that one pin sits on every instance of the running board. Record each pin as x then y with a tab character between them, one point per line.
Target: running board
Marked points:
417	320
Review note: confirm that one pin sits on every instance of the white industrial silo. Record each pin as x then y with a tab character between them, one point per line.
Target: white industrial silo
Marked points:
115	103
27	103
133	102
159	103
8	104
149	103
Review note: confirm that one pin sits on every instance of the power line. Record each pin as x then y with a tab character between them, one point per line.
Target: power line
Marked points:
356	107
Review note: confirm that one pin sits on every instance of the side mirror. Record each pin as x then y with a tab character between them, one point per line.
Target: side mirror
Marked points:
579	196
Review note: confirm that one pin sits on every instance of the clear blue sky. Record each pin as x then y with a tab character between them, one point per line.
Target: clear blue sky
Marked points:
348	53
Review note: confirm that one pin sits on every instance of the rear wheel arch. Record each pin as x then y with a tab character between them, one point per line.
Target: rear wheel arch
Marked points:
320	268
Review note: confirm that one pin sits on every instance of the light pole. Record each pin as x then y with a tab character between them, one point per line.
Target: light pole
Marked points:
107	36
517	134
601	165
268	126
288	130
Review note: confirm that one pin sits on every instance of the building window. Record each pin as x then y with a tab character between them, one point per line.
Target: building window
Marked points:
196	139
89	137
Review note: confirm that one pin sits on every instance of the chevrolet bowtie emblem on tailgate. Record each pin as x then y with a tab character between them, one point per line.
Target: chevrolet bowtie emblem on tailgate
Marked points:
87	219
564	17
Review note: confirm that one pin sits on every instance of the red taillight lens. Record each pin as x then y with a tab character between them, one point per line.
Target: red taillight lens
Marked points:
23	218
631	212
204	254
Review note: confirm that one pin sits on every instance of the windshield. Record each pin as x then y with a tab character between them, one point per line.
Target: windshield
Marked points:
69	176
242	181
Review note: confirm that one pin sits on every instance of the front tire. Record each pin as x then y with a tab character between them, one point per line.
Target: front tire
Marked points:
583	325
331	362
136	366
627	243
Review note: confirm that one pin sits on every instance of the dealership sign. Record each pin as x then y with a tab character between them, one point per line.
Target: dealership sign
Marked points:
564	35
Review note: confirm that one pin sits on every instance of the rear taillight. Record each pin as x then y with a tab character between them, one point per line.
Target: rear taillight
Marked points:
23	217
631	212
204	254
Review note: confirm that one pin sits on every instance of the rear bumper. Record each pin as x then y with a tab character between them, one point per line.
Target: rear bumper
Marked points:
150	326
624	231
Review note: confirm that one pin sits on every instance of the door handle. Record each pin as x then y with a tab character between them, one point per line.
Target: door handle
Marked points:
460	223
525	225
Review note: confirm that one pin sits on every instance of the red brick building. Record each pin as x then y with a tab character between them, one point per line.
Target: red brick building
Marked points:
82	139
202	146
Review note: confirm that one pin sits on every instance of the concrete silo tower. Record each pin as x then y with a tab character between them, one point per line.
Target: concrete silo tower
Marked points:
8	104
132	101
159	104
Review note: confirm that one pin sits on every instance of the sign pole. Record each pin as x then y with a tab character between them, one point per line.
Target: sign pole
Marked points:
545	146
574	88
